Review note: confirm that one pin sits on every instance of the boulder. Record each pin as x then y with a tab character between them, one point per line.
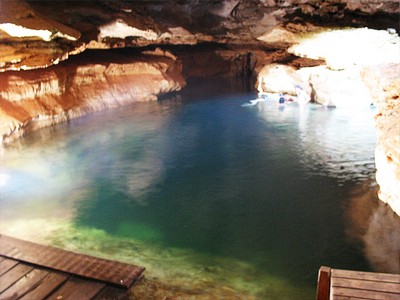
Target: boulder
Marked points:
343	88
277	78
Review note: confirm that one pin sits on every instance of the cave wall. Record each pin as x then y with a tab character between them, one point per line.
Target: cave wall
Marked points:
39	98
384	84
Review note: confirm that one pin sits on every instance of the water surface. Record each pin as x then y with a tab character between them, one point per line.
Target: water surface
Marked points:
213	198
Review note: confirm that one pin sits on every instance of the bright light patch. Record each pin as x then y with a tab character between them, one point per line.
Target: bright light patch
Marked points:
4	178
343	48
119	29
20	31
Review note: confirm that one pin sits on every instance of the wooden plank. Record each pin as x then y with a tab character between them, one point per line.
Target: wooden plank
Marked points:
24	285
7	264
6	248
10	251
381	277
117	273
367	285
76	288
324	277
47	286
363	294
13	275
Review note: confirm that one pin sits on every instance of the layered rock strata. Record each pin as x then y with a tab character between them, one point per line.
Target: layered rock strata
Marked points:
38	98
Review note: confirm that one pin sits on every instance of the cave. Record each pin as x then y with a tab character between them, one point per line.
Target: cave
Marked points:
133	88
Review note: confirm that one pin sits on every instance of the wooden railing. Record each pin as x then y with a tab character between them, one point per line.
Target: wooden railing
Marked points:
344	284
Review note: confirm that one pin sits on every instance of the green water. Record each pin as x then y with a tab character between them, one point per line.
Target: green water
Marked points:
214	199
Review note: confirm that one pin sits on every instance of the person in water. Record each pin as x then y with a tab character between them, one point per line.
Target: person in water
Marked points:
281	99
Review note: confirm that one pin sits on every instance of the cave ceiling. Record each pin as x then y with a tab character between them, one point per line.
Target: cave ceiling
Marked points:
54	30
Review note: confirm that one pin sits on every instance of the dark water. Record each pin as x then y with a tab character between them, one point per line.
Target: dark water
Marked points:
265	186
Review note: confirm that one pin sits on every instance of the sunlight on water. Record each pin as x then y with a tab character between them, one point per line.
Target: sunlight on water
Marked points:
337	141
214	199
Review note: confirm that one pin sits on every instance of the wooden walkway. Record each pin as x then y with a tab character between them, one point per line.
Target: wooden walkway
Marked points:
32	272
334	284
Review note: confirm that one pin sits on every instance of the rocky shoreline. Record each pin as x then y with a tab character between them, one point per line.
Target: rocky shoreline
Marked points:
39	98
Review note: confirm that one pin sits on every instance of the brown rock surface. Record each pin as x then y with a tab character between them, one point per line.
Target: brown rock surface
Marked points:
74	26
384	83
29	39
37	98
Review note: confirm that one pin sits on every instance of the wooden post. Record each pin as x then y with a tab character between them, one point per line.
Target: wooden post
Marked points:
324	282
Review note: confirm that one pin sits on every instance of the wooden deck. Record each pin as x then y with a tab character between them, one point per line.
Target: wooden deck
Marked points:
334	284
32	271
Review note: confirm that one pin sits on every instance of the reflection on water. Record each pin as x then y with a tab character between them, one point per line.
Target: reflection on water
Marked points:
337	141
376	228
214	199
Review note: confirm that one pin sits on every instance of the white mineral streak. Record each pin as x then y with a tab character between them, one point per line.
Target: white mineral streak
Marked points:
23	32
120	29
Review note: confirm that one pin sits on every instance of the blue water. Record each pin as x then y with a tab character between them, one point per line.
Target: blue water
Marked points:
264	185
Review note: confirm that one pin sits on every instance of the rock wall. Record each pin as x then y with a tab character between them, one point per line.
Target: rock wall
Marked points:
38	98
375	227
384	83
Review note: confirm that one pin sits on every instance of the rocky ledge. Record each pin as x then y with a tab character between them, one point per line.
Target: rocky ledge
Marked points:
93	82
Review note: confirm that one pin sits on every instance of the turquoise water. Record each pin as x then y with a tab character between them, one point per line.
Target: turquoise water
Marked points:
241	202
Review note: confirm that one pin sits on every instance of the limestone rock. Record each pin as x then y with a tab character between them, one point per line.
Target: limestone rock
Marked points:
63	28
346	48
29	39
343	88
384	83
279	37
276	78
38	98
